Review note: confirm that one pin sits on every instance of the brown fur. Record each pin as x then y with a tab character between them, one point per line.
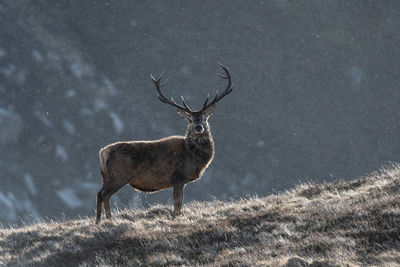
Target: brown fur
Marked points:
151	166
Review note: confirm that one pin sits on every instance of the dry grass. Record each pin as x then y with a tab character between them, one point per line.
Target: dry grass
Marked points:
343	223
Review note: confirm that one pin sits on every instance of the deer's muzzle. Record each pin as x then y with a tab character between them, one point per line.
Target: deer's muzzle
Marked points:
199	129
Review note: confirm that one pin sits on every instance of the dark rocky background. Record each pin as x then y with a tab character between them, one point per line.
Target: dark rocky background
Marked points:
315	95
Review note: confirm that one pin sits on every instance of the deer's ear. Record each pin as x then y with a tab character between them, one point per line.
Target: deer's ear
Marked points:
183	113
209	111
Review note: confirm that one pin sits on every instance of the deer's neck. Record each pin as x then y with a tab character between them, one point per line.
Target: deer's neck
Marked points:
201	146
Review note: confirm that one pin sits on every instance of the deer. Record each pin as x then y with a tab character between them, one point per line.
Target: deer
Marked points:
174	161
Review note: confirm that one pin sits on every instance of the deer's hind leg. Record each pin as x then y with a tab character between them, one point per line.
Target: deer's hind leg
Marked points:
98	208
104	196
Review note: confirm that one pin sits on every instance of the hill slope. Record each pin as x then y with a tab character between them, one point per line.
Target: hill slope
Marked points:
332	224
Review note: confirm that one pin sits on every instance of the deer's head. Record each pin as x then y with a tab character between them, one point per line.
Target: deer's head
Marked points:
198	119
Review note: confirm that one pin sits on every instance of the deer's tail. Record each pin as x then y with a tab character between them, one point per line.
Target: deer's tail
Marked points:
103	155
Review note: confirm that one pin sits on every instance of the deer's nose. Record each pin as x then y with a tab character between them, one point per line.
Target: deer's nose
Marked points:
199	128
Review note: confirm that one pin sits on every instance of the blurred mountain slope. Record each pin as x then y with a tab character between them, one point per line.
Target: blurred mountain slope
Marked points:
315	93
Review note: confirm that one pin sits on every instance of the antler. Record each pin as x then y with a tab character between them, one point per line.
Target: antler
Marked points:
158	84
227	90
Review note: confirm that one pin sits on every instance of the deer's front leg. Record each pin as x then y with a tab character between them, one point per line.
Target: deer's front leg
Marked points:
178	198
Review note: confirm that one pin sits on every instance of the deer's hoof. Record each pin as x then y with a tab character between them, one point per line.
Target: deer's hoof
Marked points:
176	215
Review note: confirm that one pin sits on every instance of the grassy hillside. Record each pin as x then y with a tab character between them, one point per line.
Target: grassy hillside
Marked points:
342	223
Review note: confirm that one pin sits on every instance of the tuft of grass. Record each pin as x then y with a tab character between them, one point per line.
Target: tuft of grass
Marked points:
333	224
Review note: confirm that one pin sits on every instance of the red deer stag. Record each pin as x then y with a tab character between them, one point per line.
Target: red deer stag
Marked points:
173	161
